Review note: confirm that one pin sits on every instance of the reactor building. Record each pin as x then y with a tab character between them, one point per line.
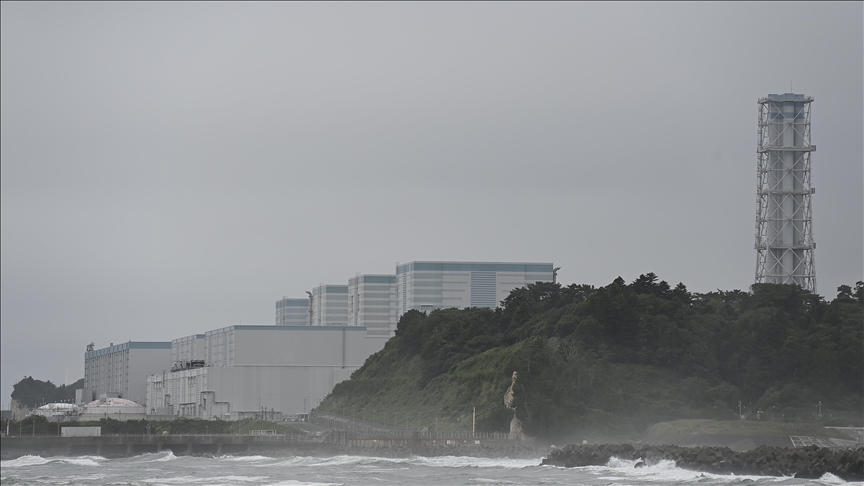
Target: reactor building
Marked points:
784	192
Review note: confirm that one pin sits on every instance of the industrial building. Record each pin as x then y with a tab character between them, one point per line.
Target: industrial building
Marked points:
250	370
329	305
122	370
372	304
426	286
292	312
784	221
187	351
287	369
377	301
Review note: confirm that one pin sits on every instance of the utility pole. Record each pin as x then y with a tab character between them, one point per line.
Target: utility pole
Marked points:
473	421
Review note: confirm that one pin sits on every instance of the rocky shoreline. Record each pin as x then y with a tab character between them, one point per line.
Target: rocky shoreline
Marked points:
808	462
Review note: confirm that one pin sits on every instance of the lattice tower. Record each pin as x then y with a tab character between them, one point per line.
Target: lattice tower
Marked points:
784	218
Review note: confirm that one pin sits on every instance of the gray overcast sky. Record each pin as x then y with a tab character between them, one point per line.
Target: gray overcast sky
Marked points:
172	168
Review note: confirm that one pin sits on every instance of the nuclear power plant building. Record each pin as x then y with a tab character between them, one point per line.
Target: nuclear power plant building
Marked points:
121	371
292	312
252	370
288	368
426	286
372	304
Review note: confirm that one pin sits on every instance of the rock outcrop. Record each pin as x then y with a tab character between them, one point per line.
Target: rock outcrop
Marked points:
808	462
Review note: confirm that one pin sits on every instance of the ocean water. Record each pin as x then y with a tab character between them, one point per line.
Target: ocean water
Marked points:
164	468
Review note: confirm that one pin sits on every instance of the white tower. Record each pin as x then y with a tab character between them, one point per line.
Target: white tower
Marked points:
784	218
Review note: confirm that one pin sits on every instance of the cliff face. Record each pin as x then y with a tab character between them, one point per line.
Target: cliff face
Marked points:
809	462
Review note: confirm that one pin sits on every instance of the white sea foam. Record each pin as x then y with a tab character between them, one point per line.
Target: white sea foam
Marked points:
311	461
377	462
166	456
87	478
479	462
829	478
291	482
338	470
615	462
211	481
25	461
666	471
336	461
243	458
82	461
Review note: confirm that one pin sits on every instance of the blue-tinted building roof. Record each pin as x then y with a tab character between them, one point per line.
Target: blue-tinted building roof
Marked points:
286	328
379	279
126	346
292	303
473	267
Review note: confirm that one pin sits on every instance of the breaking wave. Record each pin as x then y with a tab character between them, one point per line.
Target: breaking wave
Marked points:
27	461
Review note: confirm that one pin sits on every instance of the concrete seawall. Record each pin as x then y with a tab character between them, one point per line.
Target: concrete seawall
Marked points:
126	445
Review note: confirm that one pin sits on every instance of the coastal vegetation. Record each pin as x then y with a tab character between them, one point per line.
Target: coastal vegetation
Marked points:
618	358
32	393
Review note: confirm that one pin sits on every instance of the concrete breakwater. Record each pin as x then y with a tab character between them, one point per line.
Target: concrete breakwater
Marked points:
808	462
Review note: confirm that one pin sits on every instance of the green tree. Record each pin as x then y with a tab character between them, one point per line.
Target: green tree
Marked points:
33	393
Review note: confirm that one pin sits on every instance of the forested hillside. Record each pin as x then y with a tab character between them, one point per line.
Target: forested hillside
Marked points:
33	393
632	354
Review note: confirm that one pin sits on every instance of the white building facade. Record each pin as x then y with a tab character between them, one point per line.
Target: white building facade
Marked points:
122	370
292	312
426	286
330	305
187	349
262	369
372	304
